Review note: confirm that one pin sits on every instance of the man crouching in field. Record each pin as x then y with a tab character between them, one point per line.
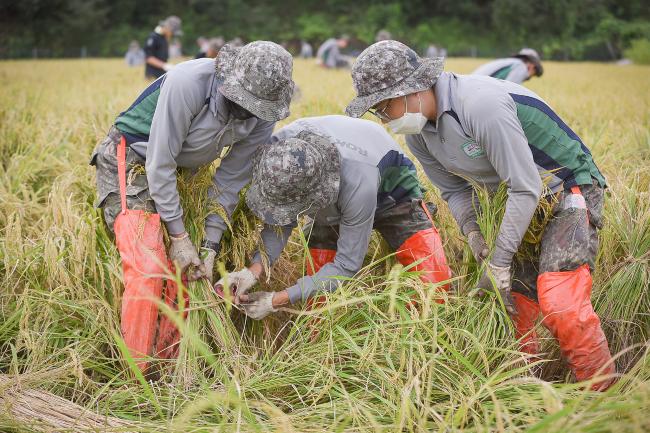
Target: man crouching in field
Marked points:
518	68
472	130
350	177
189	117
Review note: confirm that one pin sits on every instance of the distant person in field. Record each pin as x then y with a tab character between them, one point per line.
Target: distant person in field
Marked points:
156	48
175	49
236	42
383	35
329	53
468	130
306	51
202	43
518	68
135	55
349	176
434	51
211	48
214	46
186	119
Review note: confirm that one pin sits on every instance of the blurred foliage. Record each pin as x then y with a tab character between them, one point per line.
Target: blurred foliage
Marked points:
562	29
639	51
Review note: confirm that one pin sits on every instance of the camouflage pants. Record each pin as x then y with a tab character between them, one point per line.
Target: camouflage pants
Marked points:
568	241
104	159
396	225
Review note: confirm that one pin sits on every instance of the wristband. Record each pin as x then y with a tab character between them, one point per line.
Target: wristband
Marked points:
214	246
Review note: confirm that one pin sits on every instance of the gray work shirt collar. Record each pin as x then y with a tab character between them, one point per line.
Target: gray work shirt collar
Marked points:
215	99
442	92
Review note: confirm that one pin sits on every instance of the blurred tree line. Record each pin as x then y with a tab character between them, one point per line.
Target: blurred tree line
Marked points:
565	29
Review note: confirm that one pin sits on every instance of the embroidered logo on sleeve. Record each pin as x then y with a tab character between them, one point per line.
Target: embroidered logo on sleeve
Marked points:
472	149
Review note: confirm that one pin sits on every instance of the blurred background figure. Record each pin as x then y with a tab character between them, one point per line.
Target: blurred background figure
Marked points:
214	45
202	43
156	48
435	51
236	42
209	47
175	48
135	55
329	53
306	51
383	35
517	68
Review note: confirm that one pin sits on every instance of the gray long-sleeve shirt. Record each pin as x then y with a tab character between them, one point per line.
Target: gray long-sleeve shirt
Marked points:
488	131
182	120
371	163
509	69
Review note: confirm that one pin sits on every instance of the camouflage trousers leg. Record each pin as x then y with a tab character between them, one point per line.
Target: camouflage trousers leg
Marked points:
407	228
567	242
561	283
104	159
395	224
570	238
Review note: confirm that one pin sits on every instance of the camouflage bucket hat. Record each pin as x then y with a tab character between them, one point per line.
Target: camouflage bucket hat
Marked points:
258	78
388	69
299	175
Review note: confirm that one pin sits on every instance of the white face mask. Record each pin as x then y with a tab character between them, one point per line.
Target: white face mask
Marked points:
409	123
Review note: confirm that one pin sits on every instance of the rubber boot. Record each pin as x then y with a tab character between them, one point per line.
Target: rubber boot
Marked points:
525	320
426	246
319	258
564	298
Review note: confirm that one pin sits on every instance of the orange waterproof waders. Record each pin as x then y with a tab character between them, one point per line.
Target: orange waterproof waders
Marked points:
425	247
139	239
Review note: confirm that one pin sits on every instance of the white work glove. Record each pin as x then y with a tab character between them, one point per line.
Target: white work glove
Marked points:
208	255
167	67
183	253
478	246
240	282
502	280
258	305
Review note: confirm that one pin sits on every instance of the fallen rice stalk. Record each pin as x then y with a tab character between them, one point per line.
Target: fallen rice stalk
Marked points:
44	411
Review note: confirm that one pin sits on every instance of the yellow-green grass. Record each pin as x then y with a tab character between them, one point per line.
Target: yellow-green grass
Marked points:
375	365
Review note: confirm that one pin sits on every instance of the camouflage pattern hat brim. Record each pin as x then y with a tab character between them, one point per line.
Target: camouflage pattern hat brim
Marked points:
270	110
424	77
389	69
296	176
258	78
